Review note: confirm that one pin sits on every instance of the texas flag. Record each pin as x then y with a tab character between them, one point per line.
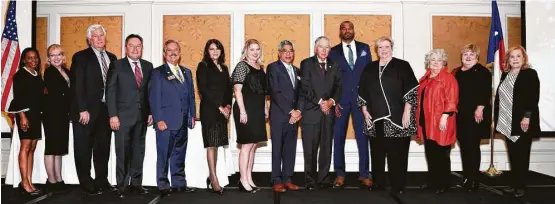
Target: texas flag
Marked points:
496	46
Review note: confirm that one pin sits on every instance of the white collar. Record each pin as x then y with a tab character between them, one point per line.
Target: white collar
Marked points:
131	61
352	44
35	74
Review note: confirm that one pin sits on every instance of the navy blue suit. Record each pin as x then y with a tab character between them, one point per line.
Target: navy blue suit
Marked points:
349	83
174	103
284	96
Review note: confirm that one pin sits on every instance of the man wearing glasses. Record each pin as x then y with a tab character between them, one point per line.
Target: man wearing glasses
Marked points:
284	115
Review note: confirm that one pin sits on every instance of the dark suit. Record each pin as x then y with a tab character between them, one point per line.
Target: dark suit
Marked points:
317	128
174	103
92	139
349	83
284	96
128	100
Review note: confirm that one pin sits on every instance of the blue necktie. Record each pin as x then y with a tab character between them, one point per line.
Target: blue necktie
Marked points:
351	58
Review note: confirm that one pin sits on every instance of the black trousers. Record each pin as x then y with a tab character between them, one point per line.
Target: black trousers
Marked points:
284	148
93	141
519	158
469	143
439	164
314	137
130	153
396	150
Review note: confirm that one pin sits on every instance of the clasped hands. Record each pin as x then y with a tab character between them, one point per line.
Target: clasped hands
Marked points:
325	106
115	124
295	116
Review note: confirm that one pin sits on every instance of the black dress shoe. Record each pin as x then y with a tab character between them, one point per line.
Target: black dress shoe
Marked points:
376	187
519	193
310	187
509	190
108	188
464	183
473	186
183	190
425	186
139	190
120	194
440	191
165	193
92	192
325	185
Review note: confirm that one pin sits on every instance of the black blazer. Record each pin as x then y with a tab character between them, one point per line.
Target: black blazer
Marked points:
215	90
284	96
316	85
526	96
87	86
58	97
124	97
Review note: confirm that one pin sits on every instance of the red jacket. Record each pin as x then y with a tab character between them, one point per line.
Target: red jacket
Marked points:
442	95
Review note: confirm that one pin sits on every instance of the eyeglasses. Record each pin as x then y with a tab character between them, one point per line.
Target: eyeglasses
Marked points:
288	51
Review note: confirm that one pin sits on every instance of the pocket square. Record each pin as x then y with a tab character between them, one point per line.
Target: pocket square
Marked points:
363	53
298	78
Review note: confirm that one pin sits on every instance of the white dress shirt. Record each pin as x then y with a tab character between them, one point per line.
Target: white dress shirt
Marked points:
107	60
346	51
133	65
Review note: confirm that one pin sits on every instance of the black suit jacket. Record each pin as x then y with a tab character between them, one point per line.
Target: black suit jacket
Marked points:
316	85
124	97
215	91
526	96
58	97
87	85
284	96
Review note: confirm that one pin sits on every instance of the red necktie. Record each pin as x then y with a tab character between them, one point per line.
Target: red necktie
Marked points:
323	67
138	75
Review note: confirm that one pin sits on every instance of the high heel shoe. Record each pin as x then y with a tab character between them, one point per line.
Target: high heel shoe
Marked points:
208	186
24	192
242	188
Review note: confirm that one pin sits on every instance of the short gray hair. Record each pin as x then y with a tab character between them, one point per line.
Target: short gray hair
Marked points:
320	38
284	43
437	52
93	28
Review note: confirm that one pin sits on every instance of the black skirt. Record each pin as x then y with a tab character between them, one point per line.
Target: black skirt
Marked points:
34	132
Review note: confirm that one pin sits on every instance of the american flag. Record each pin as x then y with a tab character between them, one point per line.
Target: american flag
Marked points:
10	56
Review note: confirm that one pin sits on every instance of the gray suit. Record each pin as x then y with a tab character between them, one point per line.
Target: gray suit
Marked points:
128	100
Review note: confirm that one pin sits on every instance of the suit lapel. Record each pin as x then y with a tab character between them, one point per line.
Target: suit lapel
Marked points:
127	69
342	54
175	81
145	73
318	69
284	70
95	62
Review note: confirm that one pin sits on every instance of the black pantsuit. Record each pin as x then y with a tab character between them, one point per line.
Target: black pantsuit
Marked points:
314	137
474	90
519	159
396	150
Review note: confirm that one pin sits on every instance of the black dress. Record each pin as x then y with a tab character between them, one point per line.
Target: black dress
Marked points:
56	112
215	91
254	98
28	93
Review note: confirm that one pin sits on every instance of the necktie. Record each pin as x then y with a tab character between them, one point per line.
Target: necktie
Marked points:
104	67
351	58
178	72
323	67
291	74
138	74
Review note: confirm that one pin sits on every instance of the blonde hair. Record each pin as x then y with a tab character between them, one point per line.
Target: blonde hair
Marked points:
248	43
380	40
50	49
507	66
438	52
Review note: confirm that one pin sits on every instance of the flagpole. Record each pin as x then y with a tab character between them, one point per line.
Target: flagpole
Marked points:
491	171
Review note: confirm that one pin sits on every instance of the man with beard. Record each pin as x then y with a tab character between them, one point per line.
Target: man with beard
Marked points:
352	56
